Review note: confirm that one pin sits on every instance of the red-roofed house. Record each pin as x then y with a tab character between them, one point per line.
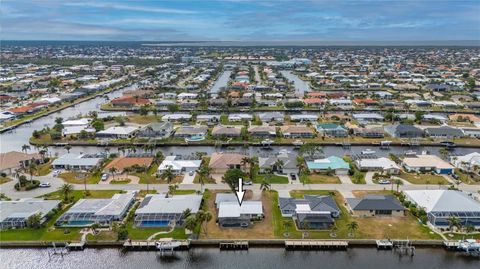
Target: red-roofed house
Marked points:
129	101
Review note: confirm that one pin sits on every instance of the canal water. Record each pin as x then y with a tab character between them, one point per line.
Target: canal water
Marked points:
206	258
13	140
222	81
300	85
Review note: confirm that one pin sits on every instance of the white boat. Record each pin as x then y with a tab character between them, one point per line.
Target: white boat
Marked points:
167	244
410	153
297	143
368	152
469	245
267	142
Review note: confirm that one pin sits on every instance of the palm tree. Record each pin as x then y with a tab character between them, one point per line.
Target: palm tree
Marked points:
25	148
399	183
172	189
187	213
252	163
453	222
112	171
203	175
65	190
443	152
31	169
469	229
279	165
352	227
245	161
68	148
190	222
265	185
168	174
203	218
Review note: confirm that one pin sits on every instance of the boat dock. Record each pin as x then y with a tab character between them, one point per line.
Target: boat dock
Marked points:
75	245
235	245
150	245
315	244
384	244
451	244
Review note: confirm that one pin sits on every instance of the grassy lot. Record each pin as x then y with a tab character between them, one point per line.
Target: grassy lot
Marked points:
5	180
260	229
43	169
423	178
457	236
184	192
384	227
273	179
319	179
139	119
467	178
77	178
103	236
79	194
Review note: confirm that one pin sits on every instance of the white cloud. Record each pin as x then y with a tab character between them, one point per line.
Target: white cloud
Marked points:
131	8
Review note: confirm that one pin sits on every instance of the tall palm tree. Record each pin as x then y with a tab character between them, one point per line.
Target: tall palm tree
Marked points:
65	190
32	167
399	183
112	171
203	218
172	189
245	161
25	148
279	165
168	174
352	227
204	174
264	186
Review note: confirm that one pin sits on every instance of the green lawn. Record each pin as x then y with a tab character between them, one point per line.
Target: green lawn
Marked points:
43	169
77	178
319	179
183	192
4	180
122	181
369	228
467	178
78	194
273	179
423	178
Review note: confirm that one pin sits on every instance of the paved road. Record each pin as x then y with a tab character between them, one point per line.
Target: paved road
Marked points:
8	189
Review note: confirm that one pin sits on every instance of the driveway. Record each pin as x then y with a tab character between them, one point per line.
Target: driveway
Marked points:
188	179
369	177
345	179
296	181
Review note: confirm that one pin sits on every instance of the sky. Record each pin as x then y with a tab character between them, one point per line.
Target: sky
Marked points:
240	20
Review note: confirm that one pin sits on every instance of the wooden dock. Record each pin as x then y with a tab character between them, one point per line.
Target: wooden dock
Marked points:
451	244
235	245
315	244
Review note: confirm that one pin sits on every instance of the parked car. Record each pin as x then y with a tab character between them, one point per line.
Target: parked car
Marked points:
293	176
383	181
191	173
44	185
55	173
248	183
104	177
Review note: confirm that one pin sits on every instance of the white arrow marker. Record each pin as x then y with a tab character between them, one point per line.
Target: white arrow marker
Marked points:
240	193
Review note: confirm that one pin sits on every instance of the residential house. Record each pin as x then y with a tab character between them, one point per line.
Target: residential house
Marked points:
381	164
226	131
375	205
240	117
118	132
177	117
129	101
333	163
262	131
14	214
312	212
178	166
444	132
304	117
72	161
191	131
468	163
233	215
283	163
159	210
403	131
427	163
220	162
275	117
121	163
331	129
13	160
156	130
86	212
440	205
297	131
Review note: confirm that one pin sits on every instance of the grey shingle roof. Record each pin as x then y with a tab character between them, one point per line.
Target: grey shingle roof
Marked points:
375	202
